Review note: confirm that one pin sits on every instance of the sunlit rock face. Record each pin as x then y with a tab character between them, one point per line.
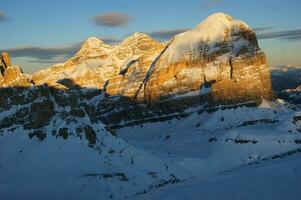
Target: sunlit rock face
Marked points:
12	76
5	60
139	51
96	63
221	51
84	69
221	54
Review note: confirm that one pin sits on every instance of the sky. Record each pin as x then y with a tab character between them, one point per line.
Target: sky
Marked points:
40	33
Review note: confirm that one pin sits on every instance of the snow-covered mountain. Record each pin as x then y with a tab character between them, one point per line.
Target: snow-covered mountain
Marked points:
292	95
286	82
221	51
285	77
145	120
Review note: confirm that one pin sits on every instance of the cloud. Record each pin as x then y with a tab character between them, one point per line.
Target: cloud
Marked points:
165	34
291	35
44	53
293	38
53	54
48	62
264	28
208	4
3	17
111	19
110	40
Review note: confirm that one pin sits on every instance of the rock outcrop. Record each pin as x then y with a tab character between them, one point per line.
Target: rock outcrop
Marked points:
5	61
12	76
4	64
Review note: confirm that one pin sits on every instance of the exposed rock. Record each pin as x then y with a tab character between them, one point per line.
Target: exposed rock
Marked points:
220	49
142	50
38	133
63	132
40	114
3	67
12	76
5	59
43	108
90	135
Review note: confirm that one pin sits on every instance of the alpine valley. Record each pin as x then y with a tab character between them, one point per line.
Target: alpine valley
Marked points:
193	118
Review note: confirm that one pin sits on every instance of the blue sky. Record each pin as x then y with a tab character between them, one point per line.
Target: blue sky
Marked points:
39	33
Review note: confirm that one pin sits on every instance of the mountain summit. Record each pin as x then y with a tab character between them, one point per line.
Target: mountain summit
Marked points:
92	45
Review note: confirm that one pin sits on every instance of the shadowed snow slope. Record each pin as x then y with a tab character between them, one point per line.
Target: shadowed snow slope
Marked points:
277	180
203	155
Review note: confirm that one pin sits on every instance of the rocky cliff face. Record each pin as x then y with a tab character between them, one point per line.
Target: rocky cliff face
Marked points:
221	51
12	76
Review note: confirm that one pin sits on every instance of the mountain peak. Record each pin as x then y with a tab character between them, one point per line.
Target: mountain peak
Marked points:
217	26
216	21
137	36
141	42
219	17
93	38
92	45
93	42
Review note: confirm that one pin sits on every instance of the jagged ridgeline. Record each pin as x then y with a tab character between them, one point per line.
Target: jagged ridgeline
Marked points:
216	63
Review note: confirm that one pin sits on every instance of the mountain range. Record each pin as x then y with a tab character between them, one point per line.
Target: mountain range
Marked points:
150	120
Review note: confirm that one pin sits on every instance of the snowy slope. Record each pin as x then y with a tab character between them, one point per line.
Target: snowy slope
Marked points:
68	169
275	179
153	160
212	143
